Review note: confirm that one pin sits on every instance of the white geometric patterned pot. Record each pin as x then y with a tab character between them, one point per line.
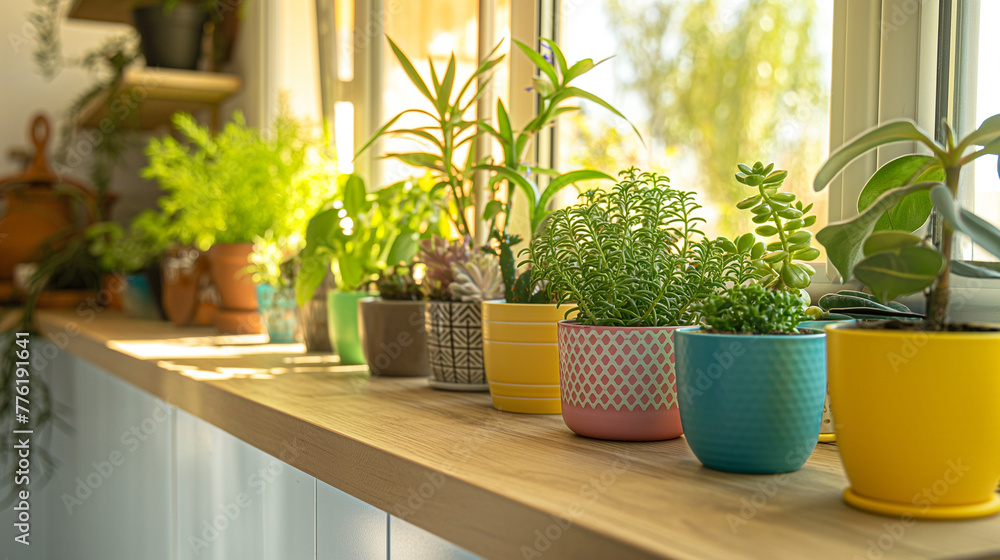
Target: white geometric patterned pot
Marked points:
455	345
618	382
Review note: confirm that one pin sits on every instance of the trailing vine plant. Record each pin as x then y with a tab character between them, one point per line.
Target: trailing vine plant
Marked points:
635	256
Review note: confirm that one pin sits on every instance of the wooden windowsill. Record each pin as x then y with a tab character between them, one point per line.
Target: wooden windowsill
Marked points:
500	485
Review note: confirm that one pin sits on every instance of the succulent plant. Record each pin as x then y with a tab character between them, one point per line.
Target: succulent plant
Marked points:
397	283
779	215
438	255
477	279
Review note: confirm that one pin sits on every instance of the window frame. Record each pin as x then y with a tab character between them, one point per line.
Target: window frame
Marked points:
886	61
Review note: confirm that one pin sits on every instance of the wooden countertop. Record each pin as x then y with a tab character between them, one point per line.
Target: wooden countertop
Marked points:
501	485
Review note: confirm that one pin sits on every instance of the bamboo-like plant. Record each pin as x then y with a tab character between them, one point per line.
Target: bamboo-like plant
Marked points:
878	246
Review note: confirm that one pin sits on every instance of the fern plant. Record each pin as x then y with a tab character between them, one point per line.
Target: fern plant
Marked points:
635	256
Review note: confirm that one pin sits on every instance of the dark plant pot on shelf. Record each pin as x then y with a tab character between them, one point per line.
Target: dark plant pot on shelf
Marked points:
751	403
316	324
171	39
455	345
618	383
393	337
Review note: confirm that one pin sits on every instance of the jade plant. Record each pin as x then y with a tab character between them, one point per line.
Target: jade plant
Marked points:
879	246
752	309
634	256
779	217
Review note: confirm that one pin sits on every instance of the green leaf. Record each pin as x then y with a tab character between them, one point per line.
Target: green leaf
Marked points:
557	54
767	231
969	270
539	61
385	129
892	274
570	92
543	86
987	132
404	247
444	92
757	250
889	241
776	177
844	240
800	237
493	208
748	202
355	197
775	256
981	232
411	71
419	159
806	254
912	211
744	242
893	131
791	225
580	68
539	210
794	276
783	197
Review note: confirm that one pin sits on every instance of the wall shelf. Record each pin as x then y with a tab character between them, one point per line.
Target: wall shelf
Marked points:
114	11
158	93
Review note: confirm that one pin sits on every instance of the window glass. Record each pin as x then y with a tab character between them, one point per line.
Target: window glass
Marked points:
709	83
987	103
432	29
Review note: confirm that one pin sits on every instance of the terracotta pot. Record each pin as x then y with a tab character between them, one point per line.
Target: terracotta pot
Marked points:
33	215
112	288
618	382
227	263
393	337
455	345
188	297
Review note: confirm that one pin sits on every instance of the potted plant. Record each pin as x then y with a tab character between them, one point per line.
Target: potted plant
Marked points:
751	385
131	257
273	270
224	191
634	263
936	378
456	282
354	236
392	325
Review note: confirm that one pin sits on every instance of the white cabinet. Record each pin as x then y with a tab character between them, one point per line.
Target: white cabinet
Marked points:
347	528
138	479
409	542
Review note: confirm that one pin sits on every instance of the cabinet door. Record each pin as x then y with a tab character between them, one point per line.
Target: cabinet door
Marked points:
112	492
289	513
347	528
409	542
220	485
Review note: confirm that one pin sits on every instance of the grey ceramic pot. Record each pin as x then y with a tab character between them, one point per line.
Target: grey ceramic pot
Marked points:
393	337
455	345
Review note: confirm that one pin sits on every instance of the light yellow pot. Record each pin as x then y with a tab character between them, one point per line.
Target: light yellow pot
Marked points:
918	420
522	356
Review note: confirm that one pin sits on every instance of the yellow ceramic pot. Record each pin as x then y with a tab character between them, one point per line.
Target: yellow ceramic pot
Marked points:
521	354
917	416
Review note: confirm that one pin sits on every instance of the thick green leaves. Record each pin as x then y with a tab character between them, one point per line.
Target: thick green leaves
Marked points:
794	276
889	241
894	131
987	133
894	273
749	202
910	213
844	240
969	270
982	233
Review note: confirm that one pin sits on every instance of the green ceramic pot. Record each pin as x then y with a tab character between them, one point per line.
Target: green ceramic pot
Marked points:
342	314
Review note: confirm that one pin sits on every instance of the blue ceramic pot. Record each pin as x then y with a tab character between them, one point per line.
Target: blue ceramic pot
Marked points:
138	300
279	312
751	403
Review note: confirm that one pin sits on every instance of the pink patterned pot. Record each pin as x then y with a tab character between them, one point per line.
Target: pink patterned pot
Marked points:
618	382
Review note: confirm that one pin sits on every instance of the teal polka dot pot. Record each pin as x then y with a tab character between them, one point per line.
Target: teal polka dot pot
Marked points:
751	403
